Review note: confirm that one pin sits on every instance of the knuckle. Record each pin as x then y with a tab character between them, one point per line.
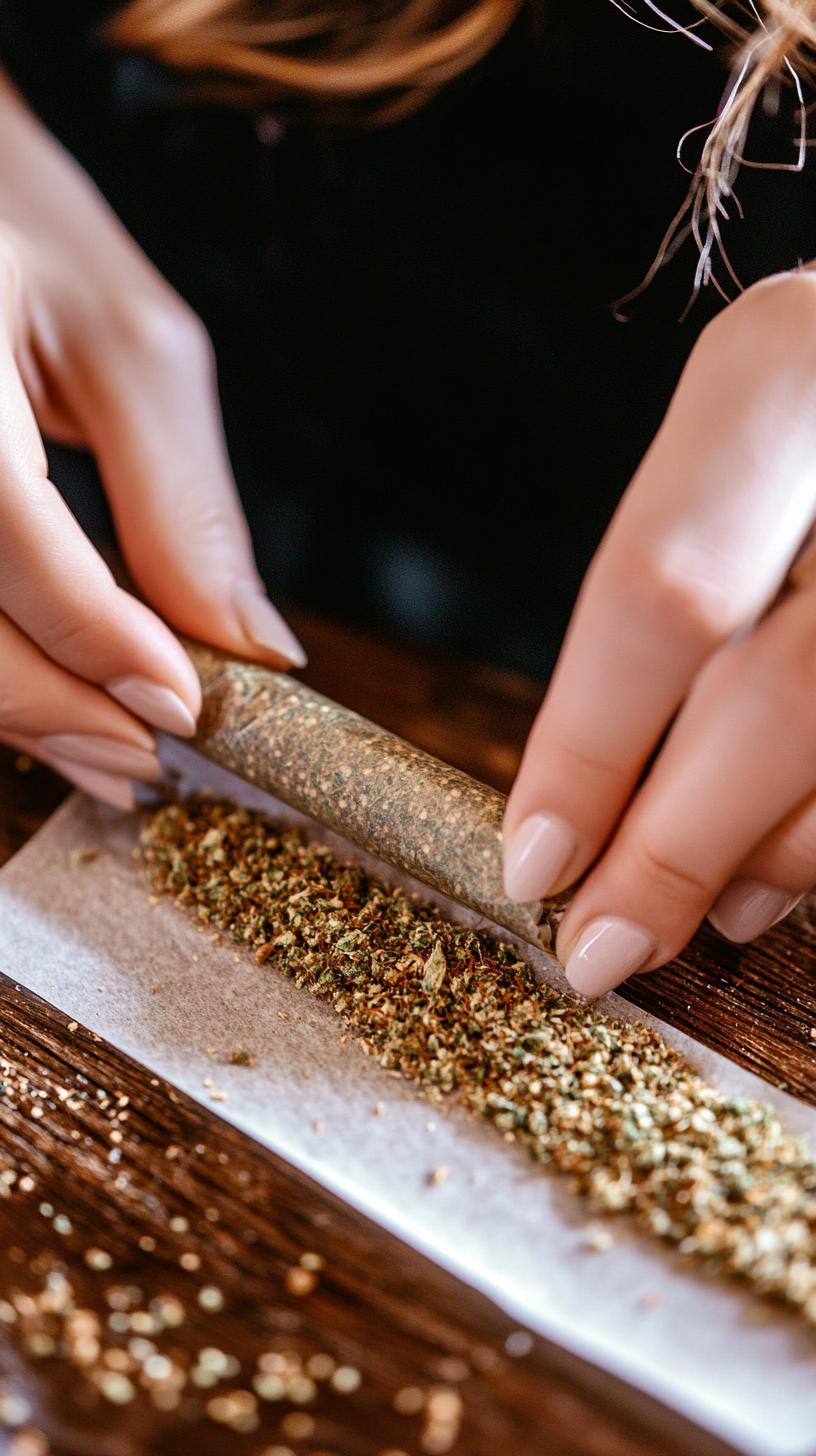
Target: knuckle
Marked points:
211	523
672	883
678	590
586	761
783	305
790	294
161	330
66	639
67	630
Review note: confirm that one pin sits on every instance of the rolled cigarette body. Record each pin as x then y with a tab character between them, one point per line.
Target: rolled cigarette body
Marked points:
409	809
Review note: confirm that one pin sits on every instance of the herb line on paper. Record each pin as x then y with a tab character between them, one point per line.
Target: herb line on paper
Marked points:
457	1011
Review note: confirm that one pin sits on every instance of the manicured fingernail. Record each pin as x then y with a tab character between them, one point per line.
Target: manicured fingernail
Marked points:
608	951
264	624
155	703
108	787
747	908
537	854
108	755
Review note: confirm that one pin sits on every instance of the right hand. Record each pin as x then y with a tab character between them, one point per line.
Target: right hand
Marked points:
97	351
673	763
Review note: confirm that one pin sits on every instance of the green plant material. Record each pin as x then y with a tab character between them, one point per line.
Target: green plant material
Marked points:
459	1013
433	971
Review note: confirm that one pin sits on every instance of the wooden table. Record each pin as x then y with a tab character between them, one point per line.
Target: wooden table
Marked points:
246	1223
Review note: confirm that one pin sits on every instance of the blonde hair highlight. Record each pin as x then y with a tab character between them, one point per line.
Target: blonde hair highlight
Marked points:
777	46
348	50
390	56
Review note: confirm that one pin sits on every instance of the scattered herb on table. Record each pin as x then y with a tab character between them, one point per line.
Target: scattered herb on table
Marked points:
460	1013
240	1057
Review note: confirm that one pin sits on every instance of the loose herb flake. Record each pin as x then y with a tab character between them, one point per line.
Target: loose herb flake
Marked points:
458	1012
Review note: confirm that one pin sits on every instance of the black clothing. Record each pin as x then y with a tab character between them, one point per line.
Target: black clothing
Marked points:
430	408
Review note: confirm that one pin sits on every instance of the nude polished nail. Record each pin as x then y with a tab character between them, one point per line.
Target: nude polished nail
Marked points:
110	788
536	856
107	755
152	701
608	951
747	908
264	625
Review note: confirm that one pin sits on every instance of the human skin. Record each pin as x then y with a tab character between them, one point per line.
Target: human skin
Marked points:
682	650
96	350
671	644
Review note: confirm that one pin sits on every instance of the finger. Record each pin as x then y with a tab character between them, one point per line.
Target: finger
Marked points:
698	547
78	729
739	759
125	366
55	586
772	880
113	789
149	407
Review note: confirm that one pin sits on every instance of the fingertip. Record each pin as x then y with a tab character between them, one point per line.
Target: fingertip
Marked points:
536	856
155	703
109	788
165	663
608	951
747	908
105	754
264	627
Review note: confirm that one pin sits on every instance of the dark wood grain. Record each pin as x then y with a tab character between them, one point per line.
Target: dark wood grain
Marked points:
755	1003
377	1306
29	793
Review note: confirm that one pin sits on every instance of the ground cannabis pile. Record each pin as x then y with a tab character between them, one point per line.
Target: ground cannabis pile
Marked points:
457	1011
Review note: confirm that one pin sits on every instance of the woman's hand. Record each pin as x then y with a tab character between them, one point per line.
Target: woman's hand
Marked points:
672	652
96	350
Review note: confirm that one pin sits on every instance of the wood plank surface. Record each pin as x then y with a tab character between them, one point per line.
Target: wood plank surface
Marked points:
374	1306
249	1223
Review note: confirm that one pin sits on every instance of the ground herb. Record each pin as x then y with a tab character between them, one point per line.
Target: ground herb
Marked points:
113	1353
242	1058
458	1012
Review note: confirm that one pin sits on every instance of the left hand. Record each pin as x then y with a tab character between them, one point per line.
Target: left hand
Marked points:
97	350
672	652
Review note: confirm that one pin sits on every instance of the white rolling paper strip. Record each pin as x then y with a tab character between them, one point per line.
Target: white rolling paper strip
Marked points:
706	1348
